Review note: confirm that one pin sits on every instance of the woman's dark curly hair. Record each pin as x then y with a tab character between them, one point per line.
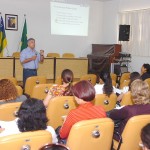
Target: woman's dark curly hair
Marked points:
105	77
32	115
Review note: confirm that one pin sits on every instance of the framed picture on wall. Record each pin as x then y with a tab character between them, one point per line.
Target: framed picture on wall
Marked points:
11	22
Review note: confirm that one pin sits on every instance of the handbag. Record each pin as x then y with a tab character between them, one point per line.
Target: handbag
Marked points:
60	140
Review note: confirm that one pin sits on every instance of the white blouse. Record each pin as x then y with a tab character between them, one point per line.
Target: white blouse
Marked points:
99	89
11	127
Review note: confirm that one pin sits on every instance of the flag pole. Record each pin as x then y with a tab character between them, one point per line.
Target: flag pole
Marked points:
7	51
21	33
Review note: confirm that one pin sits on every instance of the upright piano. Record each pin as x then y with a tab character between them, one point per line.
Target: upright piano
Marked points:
102	56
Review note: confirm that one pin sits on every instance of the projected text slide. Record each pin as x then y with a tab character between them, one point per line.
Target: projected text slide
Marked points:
69	19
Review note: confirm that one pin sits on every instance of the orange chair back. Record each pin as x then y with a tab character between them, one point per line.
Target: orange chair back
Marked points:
8	111
57	55
114	83
16	54
32	81
40	91
131	133
113	76
12	79
127	99
91	135
148	81
124	76
90	77
26	140
19	90
108	103
124	83
59	107
68	55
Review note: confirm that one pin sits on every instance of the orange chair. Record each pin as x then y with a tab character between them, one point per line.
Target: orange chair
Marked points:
12	79
95	134
59	107
19	90
68	55
127	99
26	140
90	77
40	91
57	55
108	103
16	54
8	111
124	76
113	76
114	83
124	83
148	81
131	133
32	81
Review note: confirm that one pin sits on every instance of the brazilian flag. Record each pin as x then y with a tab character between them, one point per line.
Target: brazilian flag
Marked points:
24	37
3	40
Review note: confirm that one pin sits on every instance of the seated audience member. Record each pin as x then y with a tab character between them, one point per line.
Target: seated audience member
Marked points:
84	93
8	92
145	71
133	76
140	92
61	90
105	84
145	137
54	147
31	117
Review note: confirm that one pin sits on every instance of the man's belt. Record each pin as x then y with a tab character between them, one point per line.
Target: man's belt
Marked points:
30	69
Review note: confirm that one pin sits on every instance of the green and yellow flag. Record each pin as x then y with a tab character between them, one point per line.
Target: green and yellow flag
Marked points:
3	40
24	37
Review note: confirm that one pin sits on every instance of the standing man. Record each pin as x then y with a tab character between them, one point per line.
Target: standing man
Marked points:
30	59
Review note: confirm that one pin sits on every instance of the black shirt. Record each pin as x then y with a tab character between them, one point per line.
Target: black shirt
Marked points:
144	76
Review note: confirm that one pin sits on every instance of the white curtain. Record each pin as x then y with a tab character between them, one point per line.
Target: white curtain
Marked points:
139	21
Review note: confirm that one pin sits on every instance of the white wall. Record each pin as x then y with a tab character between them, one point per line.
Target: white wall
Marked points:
110	24
38	26
103	26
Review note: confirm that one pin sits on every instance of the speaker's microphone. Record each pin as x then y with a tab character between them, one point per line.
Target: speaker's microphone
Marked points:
36	53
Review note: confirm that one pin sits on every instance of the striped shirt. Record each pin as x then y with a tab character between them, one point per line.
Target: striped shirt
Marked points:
83	112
